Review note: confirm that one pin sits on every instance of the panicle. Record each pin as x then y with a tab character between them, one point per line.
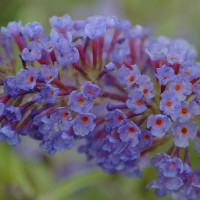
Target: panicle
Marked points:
116	88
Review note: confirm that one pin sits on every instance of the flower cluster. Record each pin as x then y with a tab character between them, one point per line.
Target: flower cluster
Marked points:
121	91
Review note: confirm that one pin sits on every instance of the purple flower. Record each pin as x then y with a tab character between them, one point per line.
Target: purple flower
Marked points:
170	167
139	32
91	90
49	93
95	27
61	23
180	51
183	132
79	102
43	124
159	124
32	52
59	141
9	135
62	119
186	111
63	142
12	113
26	78
66	54
119	53
83	124
10	86
128	77
46	43
116	118
136	102
13	28
146	87
33	30
190	70
169	104
145	139
156	47
165	74
110	67
48	73
180	86
129	132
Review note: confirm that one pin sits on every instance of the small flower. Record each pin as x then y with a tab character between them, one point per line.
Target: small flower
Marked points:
95	27
12	113
165	74
26	78
110	67
159	124
145	139
170	167
116	118
129	132
48	73
9	135
49	93
10	86
33	30
32	52
136	102
66	54
128	77
169	104
186	111
184	131
79	102
61	23
180	86
83	124
91	90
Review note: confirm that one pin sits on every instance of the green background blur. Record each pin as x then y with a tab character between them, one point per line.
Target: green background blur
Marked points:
28	174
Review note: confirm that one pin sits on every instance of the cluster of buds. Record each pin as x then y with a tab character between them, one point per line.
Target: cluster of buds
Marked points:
116	88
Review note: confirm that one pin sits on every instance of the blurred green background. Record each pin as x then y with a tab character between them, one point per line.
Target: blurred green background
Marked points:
28	174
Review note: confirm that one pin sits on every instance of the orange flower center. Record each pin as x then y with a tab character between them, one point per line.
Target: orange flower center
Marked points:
172	164
159	122
146	136
168	103
131	78
50	76
131	130
30	78
119	118
178	87
81	100
184	130
85	119
65	114
187	72
145	91
184	111
91	90
139	102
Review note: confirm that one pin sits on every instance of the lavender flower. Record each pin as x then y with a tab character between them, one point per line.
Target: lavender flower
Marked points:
116	88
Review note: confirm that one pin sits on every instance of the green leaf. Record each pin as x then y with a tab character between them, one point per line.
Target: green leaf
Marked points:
73	184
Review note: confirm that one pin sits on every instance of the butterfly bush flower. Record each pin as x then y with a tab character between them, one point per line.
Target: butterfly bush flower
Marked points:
121	91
